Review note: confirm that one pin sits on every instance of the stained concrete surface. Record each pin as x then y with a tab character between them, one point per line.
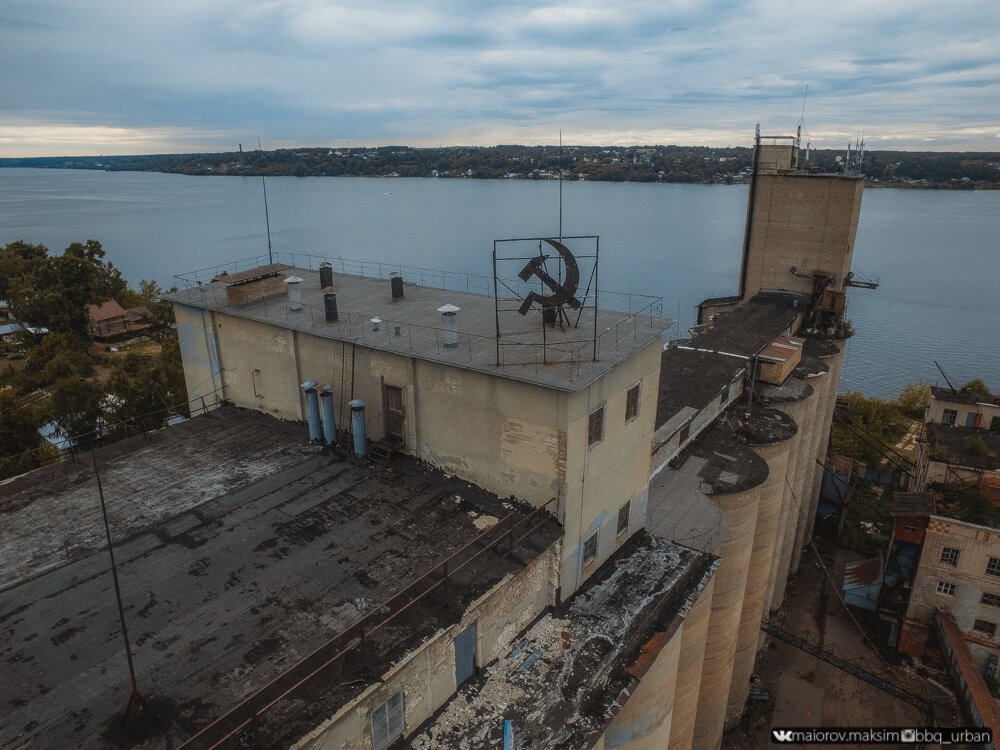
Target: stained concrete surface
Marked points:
241	548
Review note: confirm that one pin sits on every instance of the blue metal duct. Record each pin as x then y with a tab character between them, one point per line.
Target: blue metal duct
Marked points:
358	426
329	425
312	414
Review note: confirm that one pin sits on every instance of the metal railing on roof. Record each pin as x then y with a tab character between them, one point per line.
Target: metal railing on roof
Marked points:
642	313
454	281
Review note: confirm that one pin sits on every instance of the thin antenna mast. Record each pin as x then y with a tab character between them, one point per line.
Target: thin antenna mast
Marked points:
267	218
560	184
135	699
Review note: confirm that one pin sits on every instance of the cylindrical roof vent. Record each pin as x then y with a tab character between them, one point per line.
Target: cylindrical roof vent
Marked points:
396	282
330	306
358	426
294	292
325	276
376	324
449	325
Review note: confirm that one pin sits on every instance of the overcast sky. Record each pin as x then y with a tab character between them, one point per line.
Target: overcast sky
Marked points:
131	76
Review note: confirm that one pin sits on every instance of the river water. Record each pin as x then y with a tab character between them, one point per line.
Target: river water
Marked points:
936	254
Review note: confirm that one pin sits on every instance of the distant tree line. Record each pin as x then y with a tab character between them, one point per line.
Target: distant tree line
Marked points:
683	164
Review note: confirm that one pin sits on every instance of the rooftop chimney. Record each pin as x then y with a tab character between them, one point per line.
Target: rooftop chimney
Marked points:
449	322
325	276
294	292
396	282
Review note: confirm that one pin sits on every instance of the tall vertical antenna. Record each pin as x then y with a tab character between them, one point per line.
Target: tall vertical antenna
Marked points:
267	218
802	118
560	184
135	703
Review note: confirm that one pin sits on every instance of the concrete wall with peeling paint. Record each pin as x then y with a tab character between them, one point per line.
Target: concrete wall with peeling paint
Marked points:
427	674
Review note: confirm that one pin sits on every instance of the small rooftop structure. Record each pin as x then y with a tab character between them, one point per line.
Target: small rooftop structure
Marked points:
962	396
913	504
241	550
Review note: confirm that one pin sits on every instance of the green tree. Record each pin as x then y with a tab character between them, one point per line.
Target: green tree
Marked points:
913	399
76	407
19	438
976	386
965	502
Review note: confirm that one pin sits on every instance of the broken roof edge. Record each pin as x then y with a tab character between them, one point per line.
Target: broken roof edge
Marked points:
653	581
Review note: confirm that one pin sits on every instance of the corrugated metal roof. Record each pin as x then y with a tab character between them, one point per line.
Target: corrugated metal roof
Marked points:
863	572
981	695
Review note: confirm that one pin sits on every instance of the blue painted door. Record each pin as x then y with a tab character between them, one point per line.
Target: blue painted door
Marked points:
465	654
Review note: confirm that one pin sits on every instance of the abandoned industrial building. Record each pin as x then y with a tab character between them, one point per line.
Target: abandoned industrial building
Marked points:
511	509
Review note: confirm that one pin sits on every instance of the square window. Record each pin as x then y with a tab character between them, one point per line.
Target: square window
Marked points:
943	587
623	513
590	548
632	403
595	427
909	527
987	628
993	567
387	722
949	416
949	556
992	600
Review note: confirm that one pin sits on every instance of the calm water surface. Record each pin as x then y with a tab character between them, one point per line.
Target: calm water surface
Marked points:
936	253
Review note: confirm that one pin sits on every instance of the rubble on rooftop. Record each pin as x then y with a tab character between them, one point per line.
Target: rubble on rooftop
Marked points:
564	679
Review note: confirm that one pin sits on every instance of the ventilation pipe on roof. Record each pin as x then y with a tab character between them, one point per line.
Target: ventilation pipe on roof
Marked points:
376	324
325	276
330	306
358	426
449	324
312	410
294	292
326	404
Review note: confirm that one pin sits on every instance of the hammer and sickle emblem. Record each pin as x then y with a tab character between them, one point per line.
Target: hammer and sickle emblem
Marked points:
562	294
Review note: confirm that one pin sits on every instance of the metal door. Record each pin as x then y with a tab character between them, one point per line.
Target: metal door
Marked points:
395	417
465	654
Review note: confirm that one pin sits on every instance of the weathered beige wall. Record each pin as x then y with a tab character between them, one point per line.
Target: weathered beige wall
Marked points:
602	478
805	221
785	537
644	722
196	336
936	407
812	430
827	403
427	675
740	509
689	669
507	436
758	575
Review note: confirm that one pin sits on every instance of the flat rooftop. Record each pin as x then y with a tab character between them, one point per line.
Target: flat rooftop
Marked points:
569	674
560	357
953	444
693	372
241	549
